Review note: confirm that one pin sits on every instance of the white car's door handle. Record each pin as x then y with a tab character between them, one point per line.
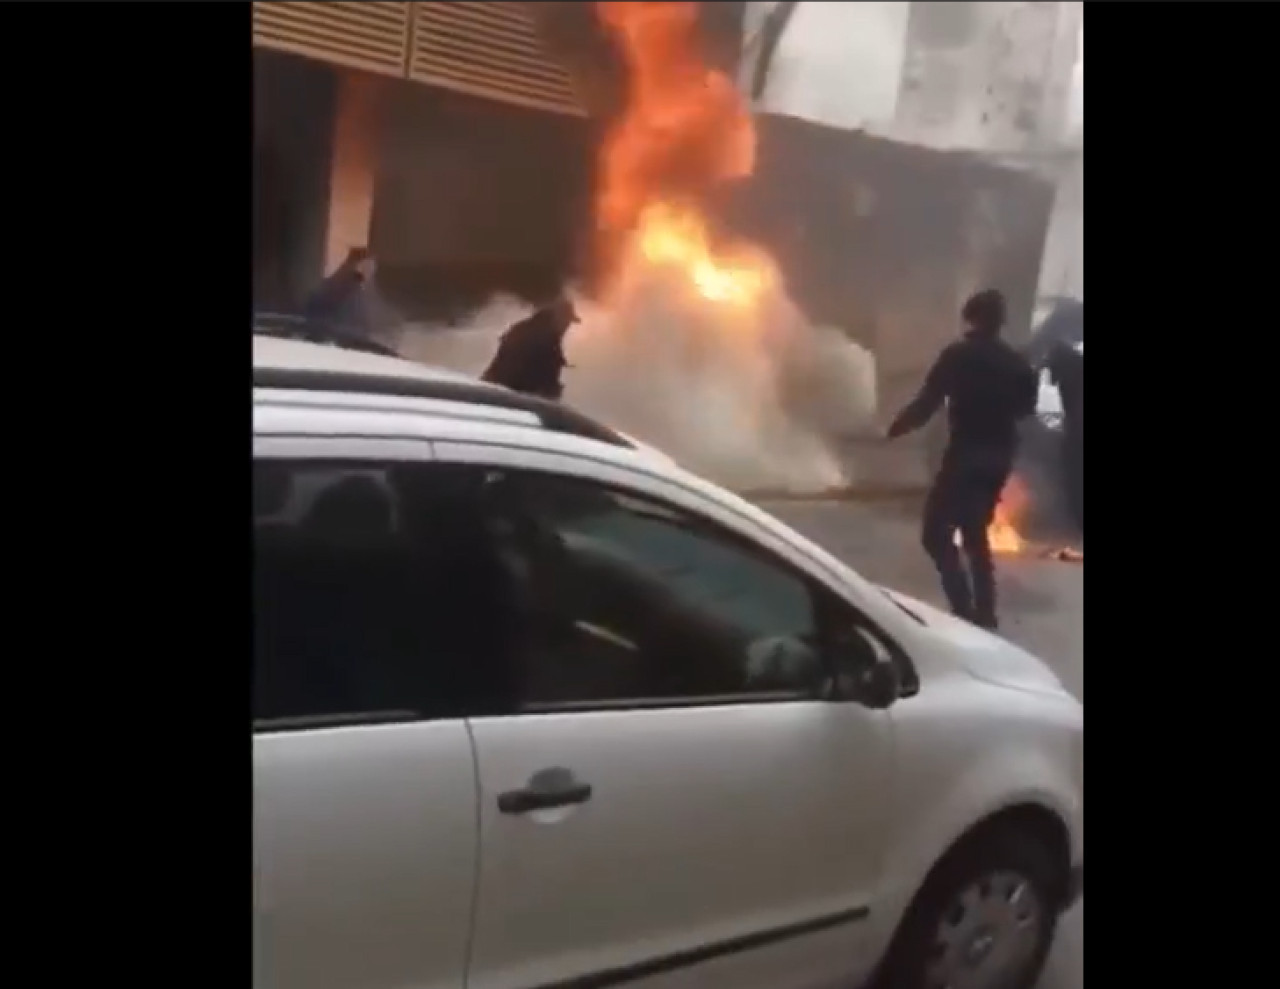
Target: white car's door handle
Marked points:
546	789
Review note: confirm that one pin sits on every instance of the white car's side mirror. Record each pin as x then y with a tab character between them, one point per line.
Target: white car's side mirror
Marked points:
864	672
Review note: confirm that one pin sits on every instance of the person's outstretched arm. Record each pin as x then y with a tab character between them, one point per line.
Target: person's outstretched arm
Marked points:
928	400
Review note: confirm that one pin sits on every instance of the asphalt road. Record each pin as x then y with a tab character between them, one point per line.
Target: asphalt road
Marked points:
1042	609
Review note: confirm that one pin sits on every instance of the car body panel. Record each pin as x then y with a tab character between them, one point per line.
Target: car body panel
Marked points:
365	854
962	772
707	825
986	656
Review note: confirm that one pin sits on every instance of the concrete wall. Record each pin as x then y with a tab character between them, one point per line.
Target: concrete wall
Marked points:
1062	272
854	218
1063	109
885	240
838	64
991	76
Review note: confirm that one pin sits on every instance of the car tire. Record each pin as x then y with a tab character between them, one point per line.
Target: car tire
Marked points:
993	902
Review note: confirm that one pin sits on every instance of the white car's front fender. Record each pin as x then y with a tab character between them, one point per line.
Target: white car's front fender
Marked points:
1023	762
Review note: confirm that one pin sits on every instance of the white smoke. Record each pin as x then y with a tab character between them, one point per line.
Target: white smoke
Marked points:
466	347
757	401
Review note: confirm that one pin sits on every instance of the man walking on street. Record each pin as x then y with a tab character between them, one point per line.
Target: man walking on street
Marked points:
987	387
530	356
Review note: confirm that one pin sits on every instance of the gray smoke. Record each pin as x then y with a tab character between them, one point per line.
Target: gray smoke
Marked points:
756	401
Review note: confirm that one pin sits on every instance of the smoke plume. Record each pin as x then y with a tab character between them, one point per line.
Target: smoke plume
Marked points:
765	417
693	344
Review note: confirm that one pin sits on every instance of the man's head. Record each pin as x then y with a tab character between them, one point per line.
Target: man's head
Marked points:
984	312
562	312
360	260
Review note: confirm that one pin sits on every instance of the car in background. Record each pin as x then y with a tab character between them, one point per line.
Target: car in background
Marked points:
1049	399
1042	464
533	706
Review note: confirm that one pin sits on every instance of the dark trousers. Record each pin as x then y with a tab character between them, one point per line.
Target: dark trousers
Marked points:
963	500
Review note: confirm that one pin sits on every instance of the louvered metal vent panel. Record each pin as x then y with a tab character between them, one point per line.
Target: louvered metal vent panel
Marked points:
489	49
369	36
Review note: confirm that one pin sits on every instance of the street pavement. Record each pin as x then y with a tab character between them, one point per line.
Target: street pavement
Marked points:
1042	609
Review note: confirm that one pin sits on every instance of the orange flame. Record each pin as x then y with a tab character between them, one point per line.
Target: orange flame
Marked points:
671	236
684	130
1003	533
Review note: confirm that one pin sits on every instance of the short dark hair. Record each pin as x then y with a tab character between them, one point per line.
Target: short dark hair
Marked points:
985	310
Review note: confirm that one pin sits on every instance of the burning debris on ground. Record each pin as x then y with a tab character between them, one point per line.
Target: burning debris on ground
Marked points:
1013	518
1003	531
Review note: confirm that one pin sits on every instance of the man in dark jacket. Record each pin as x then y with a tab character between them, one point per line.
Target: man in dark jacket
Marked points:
987	387
530	356
1066	368
342	304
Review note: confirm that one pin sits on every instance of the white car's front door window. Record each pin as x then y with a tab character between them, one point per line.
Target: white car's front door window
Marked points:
667	673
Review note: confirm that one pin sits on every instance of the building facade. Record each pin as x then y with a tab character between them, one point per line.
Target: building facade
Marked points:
977	76
992	77
357	139
455	138
1062	270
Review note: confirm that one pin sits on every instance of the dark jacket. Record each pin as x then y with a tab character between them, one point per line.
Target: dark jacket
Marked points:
336	300
345	302
530	356
988	387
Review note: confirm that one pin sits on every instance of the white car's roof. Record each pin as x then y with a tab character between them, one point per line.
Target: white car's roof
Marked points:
280	354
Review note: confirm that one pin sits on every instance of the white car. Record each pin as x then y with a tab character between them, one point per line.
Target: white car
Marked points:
535	707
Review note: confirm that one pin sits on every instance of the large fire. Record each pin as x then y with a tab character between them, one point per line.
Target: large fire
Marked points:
691	339
670	235
684	130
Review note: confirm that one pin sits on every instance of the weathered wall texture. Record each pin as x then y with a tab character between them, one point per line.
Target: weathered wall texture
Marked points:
993	76
1063	270
836	63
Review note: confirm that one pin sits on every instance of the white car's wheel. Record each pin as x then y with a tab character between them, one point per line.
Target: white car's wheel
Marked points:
984	920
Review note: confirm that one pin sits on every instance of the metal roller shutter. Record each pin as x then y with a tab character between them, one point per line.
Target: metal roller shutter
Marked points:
489	49
369	36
